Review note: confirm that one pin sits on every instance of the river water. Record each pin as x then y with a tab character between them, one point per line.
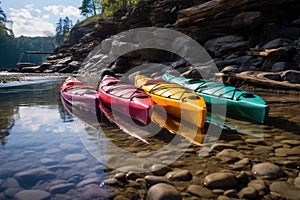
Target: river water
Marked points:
48	153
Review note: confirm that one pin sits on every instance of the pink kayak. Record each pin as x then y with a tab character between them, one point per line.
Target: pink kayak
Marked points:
126	99
81	96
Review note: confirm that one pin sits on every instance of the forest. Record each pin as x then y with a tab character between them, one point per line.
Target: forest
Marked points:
12	48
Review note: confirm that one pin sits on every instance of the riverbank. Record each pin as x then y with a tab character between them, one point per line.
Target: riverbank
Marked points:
7	77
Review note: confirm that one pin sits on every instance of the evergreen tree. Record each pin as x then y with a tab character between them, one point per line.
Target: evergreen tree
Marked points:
2	15
88	7
63	27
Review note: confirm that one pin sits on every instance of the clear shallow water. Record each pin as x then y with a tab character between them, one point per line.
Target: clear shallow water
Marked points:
43	147
40	146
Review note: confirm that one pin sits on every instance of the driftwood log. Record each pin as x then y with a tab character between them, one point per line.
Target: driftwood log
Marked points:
213	9
257	79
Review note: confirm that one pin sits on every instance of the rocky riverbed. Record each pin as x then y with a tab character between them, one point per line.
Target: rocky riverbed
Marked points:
262	164
238	167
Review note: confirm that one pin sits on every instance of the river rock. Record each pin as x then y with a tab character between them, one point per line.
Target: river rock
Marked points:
230	193
222	146
277	43
32	195
200	72
48	161
229	155
258	185
93	191
279	66
222	197
85	182
241	164
291	142
179	175
248	193
255	141
152	180
235	46
75	157
285	190
268	170
215	44
200	191
288	151
160	169
263	150
132	175
163	191
246	22
31	177
11	192
220	180
6	173
110	181
61	188
10	183
120	177
121	48
270	75
297	182
291	76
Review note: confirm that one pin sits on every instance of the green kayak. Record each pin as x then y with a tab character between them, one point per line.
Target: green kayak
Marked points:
239	103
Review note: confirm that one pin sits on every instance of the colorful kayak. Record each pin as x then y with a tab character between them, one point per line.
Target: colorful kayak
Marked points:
126	99
191	132
81	96
239	103
177	101
89	118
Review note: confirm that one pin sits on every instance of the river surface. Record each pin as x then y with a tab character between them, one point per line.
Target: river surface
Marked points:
48	152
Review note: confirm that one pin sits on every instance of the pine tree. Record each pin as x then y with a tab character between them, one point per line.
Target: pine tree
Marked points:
63	27
88	7
2	15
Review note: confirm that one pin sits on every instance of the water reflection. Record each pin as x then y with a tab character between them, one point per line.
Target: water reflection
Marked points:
33	98
42	149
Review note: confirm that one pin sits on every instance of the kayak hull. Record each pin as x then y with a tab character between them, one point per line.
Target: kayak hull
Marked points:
126	99
177	101
81	96
238	103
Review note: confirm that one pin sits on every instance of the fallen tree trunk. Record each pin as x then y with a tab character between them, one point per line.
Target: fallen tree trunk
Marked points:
214	8
253	79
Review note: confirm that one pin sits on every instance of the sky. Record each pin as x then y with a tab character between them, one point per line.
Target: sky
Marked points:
39	17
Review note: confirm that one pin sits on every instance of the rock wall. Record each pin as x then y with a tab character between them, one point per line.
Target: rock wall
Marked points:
240	35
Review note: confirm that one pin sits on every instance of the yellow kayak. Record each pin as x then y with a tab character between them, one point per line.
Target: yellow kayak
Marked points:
177	101
189	131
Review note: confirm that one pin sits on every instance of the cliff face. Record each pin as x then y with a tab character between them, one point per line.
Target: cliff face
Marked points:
240	35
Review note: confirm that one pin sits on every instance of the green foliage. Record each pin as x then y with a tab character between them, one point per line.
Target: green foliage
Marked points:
43	44
106	7
12	48
63	27
110	6
88	7
7	48
2	15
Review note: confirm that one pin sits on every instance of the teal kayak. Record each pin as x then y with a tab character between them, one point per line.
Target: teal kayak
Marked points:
239	104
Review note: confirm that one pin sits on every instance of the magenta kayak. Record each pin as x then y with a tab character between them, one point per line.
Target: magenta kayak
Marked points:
126	99
82	96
